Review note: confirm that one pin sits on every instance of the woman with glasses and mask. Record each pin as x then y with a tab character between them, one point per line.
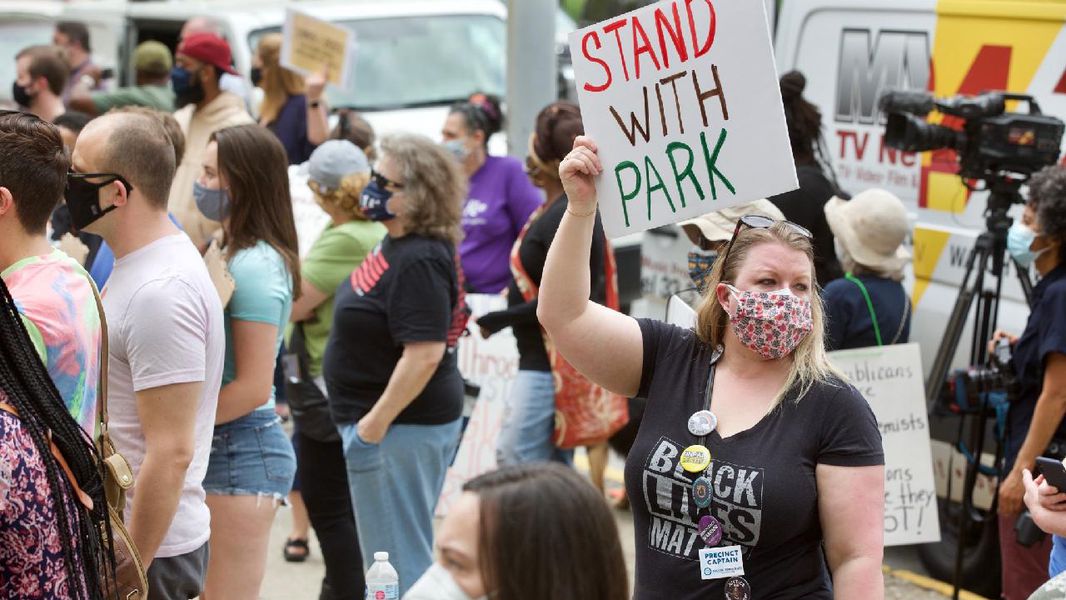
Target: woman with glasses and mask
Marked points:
500	197
244	186
390	366
1035	419
529	421
753	452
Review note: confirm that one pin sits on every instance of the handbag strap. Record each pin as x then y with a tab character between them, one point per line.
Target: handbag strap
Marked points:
101	388
84	498
903	319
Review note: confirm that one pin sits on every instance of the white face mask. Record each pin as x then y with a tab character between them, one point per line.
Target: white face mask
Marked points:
437	584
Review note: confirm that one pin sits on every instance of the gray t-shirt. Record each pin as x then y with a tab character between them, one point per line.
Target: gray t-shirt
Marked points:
165	327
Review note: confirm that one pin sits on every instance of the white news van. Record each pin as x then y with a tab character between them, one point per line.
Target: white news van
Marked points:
852	52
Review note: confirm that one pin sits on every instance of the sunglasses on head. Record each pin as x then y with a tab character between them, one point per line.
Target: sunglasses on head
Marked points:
382	181
761	222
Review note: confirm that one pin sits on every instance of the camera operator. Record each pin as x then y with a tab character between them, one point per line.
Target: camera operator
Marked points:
1035	418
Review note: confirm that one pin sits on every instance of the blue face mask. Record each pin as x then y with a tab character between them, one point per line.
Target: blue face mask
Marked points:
1019	238
457	149
375	202
214	204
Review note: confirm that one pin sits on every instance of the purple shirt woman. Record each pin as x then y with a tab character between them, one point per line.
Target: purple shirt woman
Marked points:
500	198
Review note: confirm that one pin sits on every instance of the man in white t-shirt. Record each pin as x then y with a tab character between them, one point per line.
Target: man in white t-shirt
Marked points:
167	341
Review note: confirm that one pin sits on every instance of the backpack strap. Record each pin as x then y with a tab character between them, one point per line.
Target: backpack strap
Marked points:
102	435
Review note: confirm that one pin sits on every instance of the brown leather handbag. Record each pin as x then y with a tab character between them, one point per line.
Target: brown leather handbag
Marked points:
131	579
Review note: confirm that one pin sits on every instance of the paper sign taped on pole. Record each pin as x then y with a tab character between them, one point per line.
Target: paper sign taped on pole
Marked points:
682	98
312	45
890	378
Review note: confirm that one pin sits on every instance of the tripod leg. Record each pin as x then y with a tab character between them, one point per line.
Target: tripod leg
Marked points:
953	332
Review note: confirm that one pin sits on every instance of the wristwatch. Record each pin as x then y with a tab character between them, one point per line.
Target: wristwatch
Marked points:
315	103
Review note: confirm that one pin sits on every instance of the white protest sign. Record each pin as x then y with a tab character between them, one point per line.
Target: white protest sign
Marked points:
311	45
890	378
683	100
492	364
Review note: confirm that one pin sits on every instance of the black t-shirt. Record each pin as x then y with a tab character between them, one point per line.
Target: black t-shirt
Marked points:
849	322
520	315
806	206
1045	333
405	291
763	479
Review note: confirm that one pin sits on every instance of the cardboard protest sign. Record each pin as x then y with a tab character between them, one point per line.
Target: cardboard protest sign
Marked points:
683	100
492	364
312	45
890	378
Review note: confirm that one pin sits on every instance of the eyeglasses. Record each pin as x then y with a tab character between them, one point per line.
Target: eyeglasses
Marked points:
761	222
382	181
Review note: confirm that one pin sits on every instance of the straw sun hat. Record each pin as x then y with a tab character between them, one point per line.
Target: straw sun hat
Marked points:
871	227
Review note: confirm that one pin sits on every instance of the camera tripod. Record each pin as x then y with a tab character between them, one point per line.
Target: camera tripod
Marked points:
986	258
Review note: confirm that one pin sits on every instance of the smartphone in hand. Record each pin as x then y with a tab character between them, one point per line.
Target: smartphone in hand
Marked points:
1054	471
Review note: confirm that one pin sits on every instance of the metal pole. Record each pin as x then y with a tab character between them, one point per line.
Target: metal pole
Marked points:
531	67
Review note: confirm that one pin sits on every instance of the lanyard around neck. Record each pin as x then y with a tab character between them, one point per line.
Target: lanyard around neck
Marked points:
869	305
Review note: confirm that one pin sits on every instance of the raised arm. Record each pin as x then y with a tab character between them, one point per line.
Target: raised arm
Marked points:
580	328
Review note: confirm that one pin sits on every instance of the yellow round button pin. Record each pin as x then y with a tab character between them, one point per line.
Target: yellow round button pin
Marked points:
695	458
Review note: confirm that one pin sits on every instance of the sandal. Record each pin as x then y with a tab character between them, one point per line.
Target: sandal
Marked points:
296	550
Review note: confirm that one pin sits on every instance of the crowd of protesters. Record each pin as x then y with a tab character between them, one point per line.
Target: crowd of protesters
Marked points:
181	206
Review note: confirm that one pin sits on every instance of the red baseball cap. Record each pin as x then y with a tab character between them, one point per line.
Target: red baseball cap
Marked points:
208	48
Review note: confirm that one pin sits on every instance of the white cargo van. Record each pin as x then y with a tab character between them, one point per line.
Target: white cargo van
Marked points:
851	53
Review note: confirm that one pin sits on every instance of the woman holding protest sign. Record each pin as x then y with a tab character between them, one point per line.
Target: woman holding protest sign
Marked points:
797	456
500	197
293	107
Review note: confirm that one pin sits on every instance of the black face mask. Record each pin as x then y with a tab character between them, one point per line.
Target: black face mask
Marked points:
83	197
20	95
256	76
187	87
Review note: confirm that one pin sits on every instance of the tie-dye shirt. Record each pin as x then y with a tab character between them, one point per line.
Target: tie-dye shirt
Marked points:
54	296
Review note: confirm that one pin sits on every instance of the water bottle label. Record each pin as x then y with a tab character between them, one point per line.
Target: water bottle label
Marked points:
388	591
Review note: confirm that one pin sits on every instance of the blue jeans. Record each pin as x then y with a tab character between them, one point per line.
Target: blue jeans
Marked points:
395	486
529	423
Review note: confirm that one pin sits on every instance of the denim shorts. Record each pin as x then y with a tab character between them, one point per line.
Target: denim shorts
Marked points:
251	456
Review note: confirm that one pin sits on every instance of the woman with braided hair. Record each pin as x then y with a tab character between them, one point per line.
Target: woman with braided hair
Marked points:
52	507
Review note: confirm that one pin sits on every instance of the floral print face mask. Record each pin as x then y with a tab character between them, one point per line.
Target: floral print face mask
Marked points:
771	324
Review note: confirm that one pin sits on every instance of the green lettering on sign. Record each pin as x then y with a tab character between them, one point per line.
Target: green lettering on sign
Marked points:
649	168
679	176
626	196
711	159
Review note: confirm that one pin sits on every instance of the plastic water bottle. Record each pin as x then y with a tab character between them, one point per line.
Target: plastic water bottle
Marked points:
382	581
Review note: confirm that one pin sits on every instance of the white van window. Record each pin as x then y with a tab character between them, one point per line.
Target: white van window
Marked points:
406	62
14	36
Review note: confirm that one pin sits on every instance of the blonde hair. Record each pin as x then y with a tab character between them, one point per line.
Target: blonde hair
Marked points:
433	186
344	198
278	83
810	362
